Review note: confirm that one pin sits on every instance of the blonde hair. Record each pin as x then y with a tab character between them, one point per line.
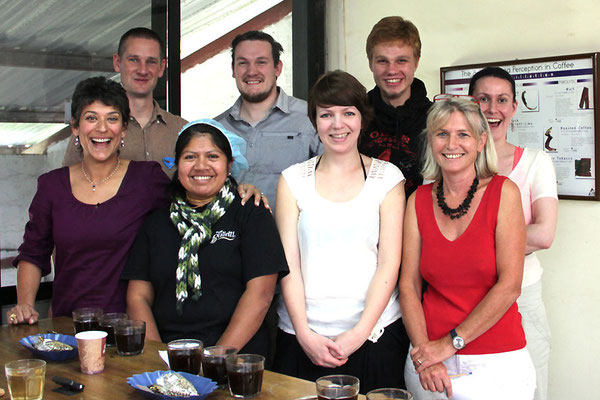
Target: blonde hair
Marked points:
438	116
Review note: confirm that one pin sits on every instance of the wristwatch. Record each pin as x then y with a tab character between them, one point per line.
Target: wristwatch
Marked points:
457	341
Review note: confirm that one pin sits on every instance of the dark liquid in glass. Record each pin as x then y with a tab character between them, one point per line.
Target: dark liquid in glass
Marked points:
130	343
245	383
110	338
186	360
92	324
215	370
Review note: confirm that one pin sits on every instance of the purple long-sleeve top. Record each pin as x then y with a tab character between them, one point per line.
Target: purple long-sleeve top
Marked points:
92	240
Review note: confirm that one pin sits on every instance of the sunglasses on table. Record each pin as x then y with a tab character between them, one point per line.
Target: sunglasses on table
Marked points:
447	96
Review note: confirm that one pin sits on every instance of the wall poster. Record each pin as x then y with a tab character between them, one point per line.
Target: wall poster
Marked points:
556	113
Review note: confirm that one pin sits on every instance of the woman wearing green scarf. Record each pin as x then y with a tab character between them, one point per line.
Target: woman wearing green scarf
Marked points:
205	267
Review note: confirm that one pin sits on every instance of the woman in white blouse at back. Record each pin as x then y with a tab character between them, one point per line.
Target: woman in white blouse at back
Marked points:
533	172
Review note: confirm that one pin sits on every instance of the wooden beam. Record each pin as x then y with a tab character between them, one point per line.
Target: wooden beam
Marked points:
74	62
33	116
269	17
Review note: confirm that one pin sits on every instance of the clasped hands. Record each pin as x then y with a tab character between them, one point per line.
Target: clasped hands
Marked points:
330	353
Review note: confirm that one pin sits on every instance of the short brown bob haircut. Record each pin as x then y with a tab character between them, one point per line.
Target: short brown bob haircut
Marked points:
392	29
339	88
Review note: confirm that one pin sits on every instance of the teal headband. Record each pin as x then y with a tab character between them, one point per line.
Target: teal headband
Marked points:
236	143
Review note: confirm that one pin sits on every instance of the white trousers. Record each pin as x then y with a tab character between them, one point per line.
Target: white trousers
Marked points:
537	333
499	376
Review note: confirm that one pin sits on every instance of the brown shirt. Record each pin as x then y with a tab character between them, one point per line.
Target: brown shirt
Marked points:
151	143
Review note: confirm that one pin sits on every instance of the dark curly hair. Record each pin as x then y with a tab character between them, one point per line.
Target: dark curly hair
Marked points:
100	89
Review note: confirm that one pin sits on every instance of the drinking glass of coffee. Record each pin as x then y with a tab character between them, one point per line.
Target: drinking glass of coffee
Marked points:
389	393
245	373
26	379
87	319
338	387
130	336
185	355
107	324
213	363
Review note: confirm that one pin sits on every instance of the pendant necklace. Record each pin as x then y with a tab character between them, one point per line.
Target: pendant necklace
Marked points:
455	213
94	184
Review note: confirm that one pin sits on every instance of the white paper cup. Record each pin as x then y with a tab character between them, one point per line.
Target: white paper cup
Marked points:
91	346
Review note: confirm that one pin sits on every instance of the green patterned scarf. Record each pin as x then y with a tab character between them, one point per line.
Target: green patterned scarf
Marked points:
195	228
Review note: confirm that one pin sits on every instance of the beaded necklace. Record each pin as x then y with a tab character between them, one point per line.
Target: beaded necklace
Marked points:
463	208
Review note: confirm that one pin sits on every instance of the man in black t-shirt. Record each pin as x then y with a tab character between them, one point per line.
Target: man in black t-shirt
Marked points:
399	100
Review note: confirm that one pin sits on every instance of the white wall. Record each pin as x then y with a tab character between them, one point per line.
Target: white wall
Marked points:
18	183
464	32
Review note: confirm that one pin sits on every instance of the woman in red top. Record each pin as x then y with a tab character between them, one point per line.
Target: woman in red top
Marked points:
464	234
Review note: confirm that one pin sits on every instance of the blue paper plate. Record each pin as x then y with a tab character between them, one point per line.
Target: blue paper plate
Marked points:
28	341
204	386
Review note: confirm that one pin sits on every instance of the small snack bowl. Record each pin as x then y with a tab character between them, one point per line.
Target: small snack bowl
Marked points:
141	383
46	351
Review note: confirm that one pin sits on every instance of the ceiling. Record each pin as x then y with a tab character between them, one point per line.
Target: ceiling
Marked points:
47	46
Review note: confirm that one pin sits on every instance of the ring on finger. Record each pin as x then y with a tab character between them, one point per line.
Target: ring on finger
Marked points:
13	317
419	361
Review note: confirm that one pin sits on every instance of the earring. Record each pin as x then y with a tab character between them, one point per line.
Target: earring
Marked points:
76	141
122	142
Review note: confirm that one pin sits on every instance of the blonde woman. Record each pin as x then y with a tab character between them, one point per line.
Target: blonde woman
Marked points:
464	235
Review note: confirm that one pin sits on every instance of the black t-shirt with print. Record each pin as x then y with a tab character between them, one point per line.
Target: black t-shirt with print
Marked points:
245	245
394	134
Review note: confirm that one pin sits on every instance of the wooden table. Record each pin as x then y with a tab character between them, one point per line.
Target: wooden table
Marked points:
112	383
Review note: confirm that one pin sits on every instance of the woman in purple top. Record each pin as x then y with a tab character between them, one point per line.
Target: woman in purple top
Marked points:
90	212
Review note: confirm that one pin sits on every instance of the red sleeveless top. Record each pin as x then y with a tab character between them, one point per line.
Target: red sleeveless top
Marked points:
460	273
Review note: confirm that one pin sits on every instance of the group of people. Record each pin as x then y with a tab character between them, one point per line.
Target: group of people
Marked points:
432	287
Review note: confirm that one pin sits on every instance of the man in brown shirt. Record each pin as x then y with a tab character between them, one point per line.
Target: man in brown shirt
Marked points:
151	132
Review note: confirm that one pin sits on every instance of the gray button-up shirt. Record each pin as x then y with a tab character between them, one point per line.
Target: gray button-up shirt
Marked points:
283	138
